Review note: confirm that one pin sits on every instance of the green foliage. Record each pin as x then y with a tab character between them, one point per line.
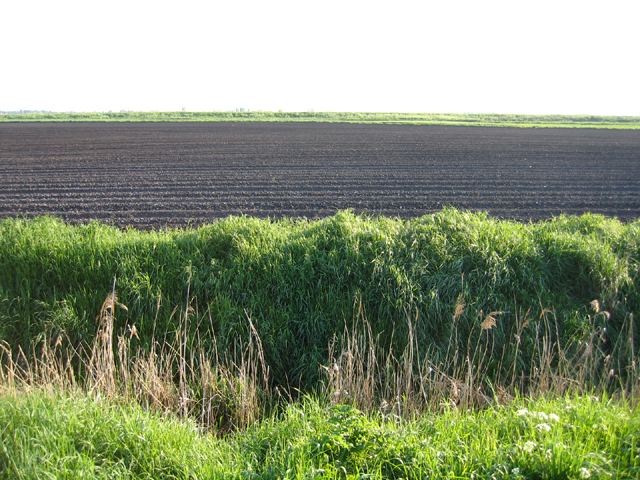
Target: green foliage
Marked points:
303	282
61	437
469	119
58	436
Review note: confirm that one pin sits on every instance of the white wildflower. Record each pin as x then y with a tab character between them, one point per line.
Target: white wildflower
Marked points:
529	447
554	417
522	413
543	427
584	473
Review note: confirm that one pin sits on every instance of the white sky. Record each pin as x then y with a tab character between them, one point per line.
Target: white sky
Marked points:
514	56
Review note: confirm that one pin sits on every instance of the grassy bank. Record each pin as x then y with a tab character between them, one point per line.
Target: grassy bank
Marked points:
455	290
468	119
448	346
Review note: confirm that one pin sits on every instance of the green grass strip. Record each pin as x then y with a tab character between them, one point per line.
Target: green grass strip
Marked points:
63	436
459	119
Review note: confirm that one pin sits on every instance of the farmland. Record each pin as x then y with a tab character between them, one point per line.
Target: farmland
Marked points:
151	175
346	322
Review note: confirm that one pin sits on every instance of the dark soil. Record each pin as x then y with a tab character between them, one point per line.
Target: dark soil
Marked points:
151	175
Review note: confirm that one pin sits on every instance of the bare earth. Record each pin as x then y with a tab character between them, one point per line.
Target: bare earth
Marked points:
152	175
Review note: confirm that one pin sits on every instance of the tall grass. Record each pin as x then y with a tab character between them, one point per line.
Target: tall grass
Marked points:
419	422
454	307
220	394
476	372
303	283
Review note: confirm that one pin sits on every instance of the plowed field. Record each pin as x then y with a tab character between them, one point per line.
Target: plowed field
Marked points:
151	175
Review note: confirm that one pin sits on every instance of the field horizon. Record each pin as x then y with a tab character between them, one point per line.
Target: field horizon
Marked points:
453	119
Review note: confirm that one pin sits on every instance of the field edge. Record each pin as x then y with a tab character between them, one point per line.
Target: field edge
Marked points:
441	119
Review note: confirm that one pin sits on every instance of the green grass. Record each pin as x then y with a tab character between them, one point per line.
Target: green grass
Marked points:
468	119
448	346
304	282
62	436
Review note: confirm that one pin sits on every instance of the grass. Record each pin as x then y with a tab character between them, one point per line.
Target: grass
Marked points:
468	119
48	435
303	283
448	346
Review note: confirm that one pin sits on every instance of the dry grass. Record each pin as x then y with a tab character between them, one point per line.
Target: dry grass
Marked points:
363	373
223	394
230	392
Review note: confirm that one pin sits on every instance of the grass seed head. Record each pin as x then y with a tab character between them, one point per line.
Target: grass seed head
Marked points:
490	321
459	310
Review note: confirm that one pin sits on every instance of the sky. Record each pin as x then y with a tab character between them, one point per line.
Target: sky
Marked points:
493	56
